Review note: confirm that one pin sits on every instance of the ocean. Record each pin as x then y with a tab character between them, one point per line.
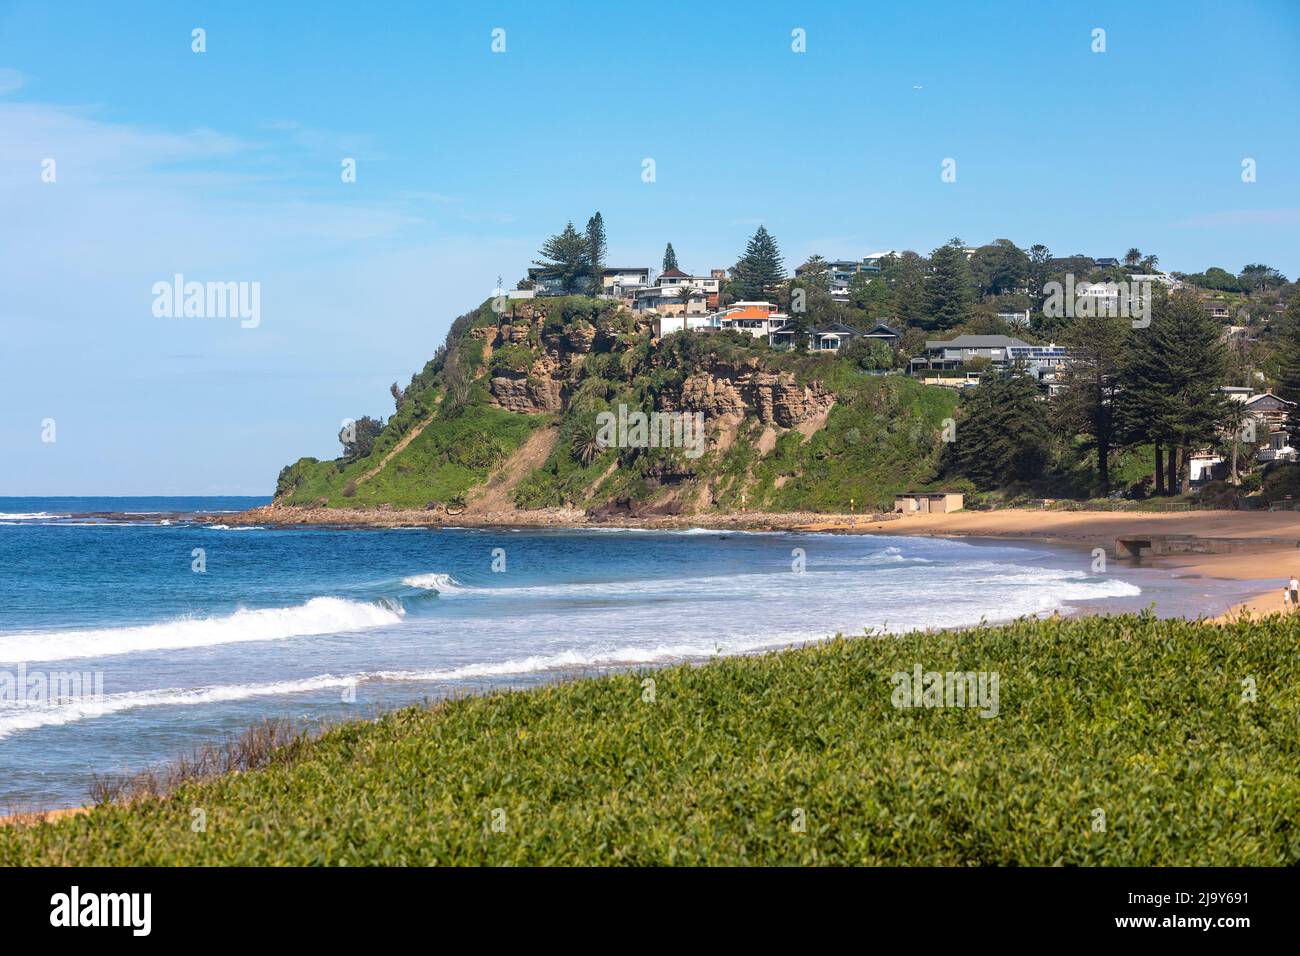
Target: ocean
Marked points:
125	643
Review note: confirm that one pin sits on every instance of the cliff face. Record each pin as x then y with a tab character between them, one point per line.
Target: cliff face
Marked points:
775	398
554	364
535	380
736	388
526	395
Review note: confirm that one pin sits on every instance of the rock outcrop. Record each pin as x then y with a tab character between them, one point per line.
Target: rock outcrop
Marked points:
775	397
527	395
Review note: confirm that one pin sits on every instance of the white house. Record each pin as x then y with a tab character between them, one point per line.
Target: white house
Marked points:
672	300
710	284
666	325
620	281
759	319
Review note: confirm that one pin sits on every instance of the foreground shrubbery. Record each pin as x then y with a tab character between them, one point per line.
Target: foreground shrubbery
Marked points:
1142	720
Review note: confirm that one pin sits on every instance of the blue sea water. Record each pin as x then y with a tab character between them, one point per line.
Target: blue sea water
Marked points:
316	624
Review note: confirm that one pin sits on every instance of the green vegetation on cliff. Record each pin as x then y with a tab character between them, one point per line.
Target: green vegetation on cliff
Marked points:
785	430
1194	764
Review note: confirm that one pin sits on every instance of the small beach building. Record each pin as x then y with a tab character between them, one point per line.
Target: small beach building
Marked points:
928	502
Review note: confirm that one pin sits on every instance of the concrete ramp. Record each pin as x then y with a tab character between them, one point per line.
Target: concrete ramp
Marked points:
1161	545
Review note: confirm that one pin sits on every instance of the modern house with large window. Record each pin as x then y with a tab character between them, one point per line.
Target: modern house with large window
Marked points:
1045	363
843	270
670	300
620	282
951	355
710	284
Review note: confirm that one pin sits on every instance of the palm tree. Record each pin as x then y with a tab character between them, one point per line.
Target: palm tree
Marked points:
1149	264
685	292
586	447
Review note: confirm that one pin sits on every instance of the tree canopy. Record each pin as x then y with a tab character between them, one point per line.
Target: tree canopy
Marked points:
761	269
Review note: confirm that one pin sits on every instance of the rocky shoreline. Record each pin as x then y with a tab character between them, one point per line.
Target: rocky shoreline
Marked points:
282	516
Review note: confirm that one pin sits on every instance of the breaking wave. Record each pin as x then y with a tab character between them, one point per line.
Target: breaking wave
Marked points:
321	615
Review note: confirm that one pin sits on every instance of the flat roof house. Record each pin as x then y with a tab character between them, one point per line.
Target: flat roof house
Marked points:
620	281
952	354
668	324
544	284
842	270
670	300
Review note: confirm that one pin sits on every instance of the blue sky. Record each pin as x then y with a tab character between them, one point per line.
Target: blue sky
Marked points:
224	166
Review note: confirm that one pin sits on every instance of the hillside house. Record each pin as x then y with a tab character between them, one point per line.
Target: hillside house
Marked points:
668	324
670	300
883	333
710	285
831	338
952	354
759	319
1270	413
622	282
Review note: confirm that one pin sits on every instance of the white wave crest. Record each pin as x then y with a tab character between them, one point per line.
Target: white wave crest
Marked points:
17	719
442	583
23	718
321	615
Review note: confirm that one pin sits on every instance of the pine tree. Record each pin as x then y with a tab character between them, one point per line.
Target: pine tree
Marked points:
761	269
596	253
670	258
1145	406
1172	393
567	257
905	276
1089	404
1003	435
951	288
1040	273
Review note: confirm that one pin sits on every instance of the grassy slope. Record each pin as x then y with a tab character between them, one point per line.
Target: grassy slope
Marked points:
1141	719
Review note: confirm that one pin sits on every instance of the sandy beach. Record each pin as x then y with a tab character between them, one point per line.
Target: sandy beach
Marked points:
1263	557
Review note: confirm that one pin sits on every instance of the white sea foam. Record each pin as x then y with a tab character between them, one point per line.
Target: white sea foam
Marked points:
28	515
17	719
321	615
442	583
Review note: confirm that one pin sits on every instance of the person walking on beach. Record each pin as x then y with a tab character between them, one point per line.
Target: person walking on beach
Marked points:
1286	599
1294	588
